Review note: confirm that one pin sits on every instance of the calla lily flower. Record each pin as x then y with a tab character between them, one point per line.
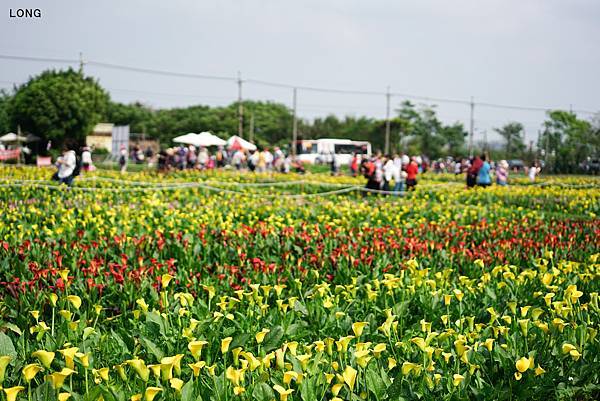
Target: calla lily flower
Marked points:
45	357
30	371
11	393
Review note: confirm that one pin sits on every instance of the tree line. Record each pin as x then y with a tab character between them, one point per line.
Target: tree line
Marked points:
64	105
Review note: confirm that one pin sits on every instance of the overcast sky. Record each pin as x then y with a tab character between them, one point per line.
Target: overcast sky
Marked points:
541	53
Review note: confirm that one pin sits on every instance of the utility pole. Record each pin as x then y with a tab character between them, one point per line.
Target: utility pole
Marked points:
295	124
471	128
240	107
81	63
387	122
251	135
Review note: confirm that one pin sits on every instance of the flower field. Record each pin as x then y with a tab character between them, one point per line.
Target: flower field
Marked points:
224	287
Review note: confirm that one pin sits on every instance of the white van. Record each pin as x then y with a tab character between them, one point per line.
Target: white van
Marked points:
319	151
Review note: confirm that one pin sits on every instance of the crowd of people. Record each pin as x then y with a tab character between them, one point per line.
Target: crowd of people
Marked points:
386	174
258	160
393	174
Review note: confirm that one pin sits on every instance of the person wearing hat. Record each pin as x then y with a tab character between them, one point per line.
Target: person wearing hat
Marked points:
502	173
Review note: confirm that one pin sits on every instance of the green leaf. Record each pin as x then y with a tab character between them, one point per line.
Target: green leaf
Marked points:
262	392
307	389
273	339
375	382
395	389
187	392
153	349
7	347
239	340
299	307
13	327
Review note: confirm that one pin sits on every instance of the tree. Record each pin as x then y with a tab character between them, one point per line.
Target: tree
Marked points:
62	106
567	141
513	135
136	115
4	112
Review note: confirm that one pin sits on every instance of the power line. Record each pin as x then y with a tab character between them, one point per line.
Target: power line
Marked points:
159	72
283	85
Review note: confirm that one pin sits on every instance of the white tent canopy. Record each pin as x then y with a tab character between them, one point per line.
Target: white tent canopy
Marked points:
12	137
187	138
241	142
201	139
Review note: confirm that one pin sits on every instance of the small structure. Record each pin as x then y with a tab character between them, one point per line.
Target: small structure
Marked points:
101	136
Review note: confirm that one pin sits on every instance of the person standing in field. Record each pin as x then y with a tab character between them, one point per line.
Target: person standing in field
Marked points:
533	172
502	173
86	159
472	171
123	159
66	167
411	174
483	175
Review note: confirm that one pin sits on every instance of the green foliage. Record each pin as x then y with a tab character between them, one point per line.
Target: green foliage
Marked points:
61	106
5	125
513	135
567	141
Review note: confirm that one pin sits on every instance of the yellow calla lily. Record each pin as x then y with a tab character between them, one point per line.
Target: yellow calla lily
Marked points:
11	393
58	378
74	300
225	344
45	357
151	392
358	328
30	371
283	393
4	361
349	376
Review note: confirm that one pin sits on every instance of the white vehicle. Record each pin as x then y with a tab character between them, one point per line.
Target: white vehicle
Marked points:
319	151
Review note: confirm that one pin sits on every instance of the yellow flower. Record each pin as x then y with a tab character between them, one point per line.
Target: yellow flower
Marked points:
524	323
523	364
196	367
74	300
35	314
176	383
362	358
283	393
459	294
567	348
489	344
378	349
447	299
83	358
165	279
140	368
4	361
11	393
335	389
479	262
260	336
53	299
58	378
225	344
195	348
238	390
288	376
64	396
391	363
539	371
45	357
30	371
151	392
136	397
457	379
349	376
64	274
142	304
358	328
100	374
518	375
69	355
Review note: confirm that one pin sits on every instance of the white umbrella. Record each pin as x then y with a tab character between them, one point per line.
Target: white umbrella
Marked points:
208	139
241	142
12	137
189	139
